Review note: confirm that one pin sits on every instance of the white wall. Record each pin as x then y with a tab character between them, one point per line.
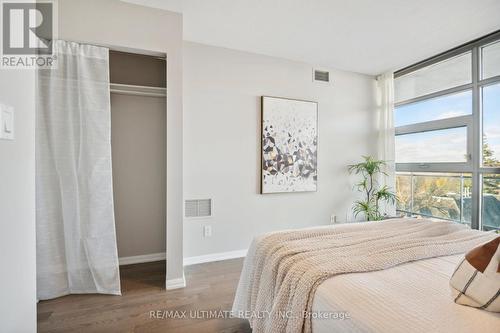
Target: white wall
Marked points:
139	173
222	90
115	23
17	206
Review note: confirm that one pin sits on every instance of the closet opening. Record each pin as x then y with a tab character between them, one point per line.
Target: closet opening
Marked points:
138	145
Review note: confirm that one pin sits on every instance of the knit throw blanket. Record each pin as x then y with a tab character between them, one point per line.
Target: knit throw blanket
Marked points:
282	270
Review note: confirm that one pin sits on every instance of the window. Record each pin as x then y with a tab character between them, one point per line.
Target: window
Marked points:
490	60
449	73
491	203
491	125
442	107
447	118
447	145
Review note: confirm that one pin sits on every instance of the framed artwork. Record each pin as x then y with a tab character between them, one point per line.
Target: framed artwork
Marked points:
289	145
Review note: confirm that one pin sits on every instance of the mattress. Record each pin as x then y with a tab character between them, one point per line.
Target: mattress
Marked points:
413	297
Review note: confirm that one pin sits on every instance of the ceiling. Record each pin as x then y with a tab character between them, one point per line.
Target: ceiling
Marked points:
364	36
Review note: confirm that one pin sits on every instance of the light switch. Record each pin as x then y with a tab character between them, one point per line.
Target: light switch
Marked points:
6	122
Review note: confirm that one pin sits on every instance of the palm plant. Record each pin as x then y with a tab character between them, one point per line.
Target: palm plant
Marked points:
370	169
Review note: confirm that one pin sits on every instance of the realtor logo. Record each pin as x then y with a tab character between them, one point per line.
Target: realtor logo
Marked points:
27	34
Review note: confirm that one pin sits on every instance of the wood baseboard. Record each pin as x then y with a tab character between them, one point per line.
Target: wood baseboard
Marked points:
176	283
142	258
214	257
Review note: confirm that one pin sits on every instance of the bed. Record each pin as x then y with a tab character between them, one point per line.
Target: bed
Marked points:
410	297
387	276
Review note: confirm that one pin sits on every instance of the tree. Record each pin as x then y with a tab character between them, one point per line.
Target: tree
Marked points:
489	158
490	183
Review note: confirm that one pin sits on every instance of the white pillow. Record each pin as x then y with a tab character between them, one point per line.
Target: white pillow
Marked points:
476	280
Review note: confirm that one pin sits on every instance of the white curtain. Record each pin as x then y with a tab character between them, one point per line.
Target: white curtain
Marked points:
385	127
76	240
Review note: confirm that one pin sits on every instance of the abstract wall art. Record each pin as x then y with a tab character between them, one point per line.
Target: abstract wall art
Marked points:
289	145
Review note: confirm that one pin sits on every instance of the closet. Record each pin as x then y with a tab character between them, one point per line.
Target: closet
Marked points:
138	143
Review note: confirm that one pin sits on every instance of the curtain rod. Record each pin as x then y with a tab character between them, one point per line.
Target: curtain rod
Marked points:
116	48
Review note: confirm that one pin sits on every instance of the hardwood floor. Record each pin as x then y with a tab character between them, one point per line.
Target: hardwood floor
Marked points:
210	286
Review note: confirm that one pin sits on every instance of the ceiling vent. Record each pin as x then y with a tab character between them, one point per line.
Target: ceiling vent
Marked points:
321	76
198	208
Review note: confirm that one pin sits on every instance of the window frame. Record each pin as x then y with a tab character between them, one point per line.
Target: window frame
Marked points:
473	122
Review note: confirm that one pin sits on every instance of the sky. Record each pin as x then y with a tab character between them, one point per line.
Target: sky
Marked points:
446	145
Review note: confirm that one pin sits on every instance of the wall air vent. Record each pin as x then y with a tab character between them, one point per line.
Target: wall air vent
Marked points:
198	208
321	76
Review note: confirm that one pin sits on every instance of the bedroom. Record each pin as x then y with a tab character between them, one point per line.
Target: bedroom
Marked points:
188	174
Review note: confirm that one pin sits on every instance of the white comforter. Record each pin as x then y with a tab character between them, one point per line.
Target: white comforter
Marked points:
412	297
283	270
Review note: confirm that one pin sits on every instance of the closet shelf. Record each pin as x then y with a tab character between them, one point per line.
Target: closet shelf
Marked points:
128	89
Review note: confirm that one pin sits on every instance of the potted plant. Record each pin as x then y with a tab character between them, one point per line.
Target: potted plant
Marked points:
374	195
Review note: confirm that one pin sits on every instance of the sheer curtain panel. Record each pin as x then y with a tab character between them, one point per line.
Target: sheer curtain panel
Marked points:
76	241
385	128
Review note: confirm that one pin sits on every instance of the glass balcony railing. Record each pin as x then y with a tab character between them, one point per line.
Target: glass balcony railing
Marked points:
447	196
490	202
